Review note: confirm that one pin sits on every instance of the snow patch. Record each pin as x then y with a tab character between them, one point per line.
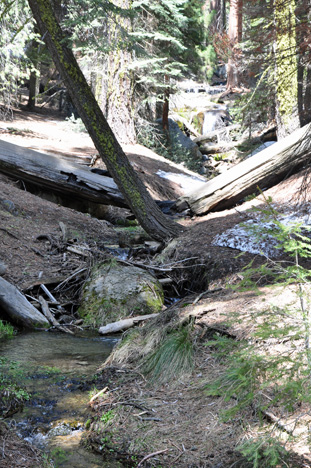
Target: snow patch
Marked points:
240	237
185	181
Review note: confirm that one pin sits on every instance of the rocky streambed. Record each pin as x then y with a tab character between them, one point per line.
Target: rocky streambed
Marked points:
52	367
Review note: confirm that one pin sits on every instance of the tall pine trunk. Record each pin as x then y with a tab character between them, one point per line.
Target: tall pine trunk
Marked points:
115	93
286	68
235	37
145	209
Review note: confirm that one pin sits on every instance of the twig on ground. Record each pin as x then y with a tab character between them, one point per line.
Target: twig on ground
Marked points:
154	454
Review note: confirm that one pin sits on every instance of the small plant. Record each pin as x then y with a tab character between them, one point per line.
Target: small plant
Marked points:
6	330
264	452
260	376
76	125
107	416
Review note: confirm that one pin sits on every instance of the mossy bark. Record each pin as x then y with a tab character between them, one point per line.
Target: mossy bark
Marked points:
117	87
286	68
145	209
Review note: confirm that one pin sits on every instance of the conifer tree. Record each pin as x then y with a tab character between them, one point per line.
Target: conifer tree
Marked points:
148	214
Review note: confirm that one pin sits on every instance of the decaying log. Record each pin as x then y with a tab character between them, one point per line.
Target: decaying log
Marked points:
63	177
124	324
263	170
16	306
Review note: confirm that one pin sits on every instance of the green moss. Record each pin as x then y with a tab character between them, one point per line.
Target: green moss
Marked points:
286	63
95	308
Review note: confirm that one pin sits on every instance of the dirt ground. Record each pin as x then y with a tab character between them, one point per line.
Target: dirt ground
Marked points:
41	242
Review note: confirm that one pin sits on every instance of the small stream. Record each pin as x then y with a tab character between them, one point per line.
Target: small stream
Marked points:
53	366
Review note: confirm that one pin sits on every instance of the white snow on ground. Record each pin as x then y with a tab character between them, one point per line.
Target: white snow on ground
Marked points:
241	238
185	181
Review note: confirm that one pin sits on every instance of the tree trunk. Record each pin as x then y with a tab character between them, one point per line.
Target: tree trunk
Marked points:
18	308
235	37
165	109
145	209
114	80
34	80
218	7
286	68
70	180
264	170
304	64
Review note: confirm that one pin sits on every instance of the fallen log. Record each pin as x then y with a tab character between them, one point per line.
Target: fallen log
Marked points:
124	324
263	170
62	176
19	310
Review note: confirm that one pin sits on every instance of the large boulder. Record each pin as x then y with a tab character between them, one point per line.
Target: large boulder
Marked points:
114	291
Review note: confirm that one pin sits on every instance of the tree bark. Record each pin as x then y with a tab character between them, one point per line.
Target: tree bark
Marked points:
51	173
145	209
263	170
114	81
16	306
286	68
235	37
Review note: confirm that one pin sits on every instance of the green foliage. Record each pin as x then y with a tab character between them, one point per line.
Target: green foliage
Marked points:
107	416
173	358
254	370
76	125
12	394
264	452
16	31
6	330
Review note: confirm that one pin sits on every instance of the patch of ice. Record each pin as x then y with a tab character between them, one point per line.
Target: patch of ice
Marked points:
185	181
240	237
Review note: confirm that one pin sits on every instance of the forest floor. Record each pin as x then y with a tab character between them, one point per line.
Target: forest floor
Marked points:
185	427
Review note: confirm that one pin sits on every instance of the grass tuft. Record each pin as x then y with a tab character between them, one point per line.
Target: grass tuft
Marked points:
173	358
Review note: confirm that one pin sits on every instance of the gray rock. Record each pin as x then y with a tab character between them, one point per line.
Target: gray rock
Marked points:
3	268
115	291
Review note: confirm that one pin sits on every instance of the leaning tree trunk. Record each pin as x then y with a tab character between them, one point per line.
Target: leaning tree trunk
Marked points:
145	209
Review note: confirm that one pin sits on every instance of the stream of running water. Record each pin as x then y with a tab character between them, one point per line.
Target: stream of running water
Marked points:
53	366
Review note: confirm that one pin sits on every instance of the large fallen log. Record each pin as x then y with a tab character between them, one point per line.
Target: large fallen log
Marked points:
263	170
62	176
18	309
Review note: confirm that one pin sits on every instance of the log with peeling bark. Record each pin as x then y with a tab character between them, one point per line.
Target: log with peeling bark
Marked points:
64	177
15	305
263	170
122	325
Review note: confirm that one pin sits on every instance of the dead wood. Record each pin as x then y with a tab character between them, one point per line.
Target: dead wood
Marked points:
63	177
263	170
124	324
48	314
18	308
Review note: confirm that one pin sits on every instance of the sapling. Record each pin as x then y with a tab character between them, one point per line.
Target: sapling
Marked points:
259	375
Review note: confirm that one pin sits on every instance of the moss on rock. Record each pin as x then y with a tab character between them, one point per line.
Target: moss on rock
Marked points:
115	291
